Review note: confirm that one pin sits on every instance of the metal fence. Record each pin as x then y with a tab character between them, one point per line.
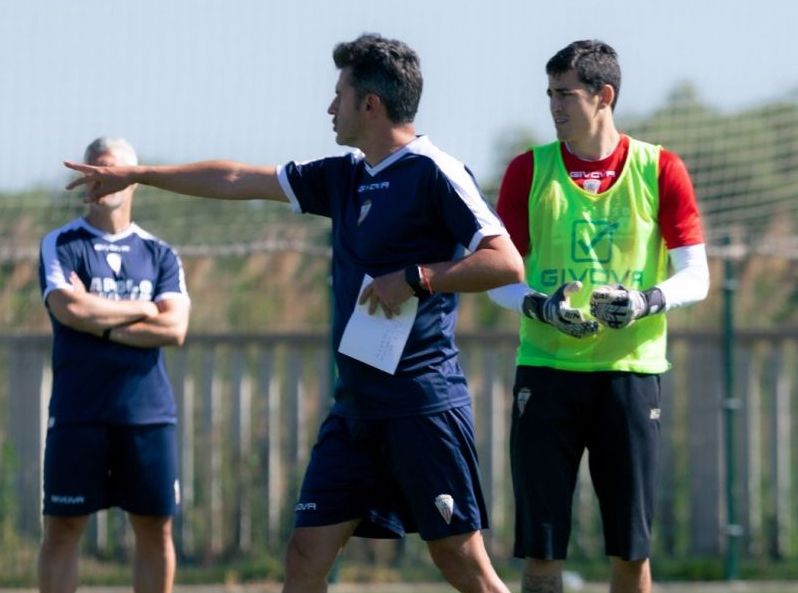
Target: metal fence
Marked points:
250	405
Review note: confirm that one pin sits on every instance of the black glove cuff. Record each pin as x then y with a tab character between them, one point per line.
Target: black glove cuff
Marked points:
655	301
533	305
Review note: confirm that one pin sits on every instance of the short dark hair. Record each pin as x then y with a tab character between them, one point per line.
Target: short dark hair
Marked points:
595	63
387	68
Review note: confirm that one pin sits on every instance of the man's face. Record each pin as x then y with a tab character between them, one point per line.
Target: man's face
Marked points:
574	107
346	112
112	201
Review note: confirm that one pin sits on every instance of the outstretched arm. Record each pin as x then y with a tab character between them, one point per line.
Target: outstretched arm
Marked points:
224	180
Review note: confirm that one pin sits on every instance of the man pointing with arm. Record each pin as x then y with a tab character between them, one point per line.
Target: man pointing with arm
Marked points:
397	452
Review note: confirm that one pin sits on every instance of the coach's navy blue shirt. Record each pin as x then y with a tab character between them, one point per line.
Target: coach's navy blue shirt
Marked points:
418	206
95	380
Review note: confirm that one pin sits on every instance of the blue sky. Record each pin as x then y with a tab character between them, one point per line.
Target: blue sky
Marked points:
251	79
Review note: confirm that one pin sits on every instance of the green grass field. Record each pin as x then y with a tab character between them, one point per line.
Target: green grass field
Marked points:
739	587
724	587
715	587
736	587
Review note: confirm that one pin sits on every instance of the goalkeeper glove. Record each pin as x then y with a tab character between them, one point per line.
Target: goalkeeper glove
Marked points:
617	307
557	311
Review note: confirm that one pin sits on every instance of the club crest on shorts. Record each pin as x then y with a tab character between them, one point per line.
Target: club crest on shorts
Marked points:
523	396
445	505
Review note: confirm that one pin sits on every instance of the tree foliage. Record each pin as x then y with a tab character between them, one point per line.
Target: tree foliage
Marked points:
253	266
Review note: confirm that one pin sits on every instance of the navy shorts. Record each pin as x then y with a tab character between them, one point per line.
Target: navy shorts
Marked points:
398	475
556	416
88	467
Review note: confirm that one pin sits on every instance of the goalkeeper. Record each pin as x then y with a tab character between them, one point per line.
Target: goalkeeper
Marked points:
598	216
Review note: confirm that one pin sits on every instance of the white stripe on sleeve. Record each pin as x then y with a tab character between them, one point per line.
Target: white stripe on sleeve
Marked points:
53	272
488	222
282	177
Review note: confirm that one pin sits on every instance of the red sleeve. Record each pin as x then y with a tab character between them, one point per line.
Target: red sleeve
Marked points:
513	203
679	217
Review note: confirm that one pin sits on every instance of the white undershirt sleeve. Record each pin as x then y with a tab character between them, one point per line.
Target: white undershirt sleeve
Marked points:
688	284
690	280
510	296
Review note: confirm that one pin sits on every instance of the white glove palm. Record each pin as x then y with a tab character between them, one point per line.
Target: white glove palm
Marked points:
617	307
557	311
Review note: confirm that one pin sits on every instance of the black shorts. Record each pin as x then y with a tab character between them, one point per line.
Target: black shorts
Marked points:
556	416
398	475
89	467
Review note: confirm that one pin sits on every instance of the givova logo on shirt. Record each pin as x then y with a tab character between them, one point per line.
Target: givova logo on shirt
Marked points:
373	186
591	241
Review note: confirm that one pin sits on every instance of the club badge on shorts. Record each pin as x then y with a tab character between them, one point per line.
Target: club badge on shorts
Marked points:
523	396
445	505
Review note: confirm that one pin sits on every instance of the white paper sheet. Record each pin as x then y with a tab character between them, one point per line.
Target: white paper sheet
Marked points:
375	339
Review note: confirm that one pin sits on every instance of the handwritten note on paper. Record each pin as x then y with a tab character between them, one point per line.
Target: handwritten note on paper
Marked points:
375	339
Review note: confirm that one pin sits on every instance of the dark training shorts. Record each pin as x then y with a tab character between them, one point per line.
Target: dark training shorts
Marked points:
89	467
556	416
398	475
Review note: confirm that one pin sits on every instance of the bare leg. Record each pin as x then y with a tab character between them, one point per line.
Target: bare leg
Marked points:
542	576
464	563
630	576
58	555
310	555
154	561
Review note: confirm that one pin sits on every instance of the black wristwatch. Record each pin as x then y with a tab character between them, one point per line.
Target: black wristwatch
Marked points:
415	278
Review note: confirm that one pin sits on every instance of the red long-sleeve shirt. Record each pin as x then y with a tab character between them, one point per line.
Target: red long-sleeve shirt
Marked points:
679	217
